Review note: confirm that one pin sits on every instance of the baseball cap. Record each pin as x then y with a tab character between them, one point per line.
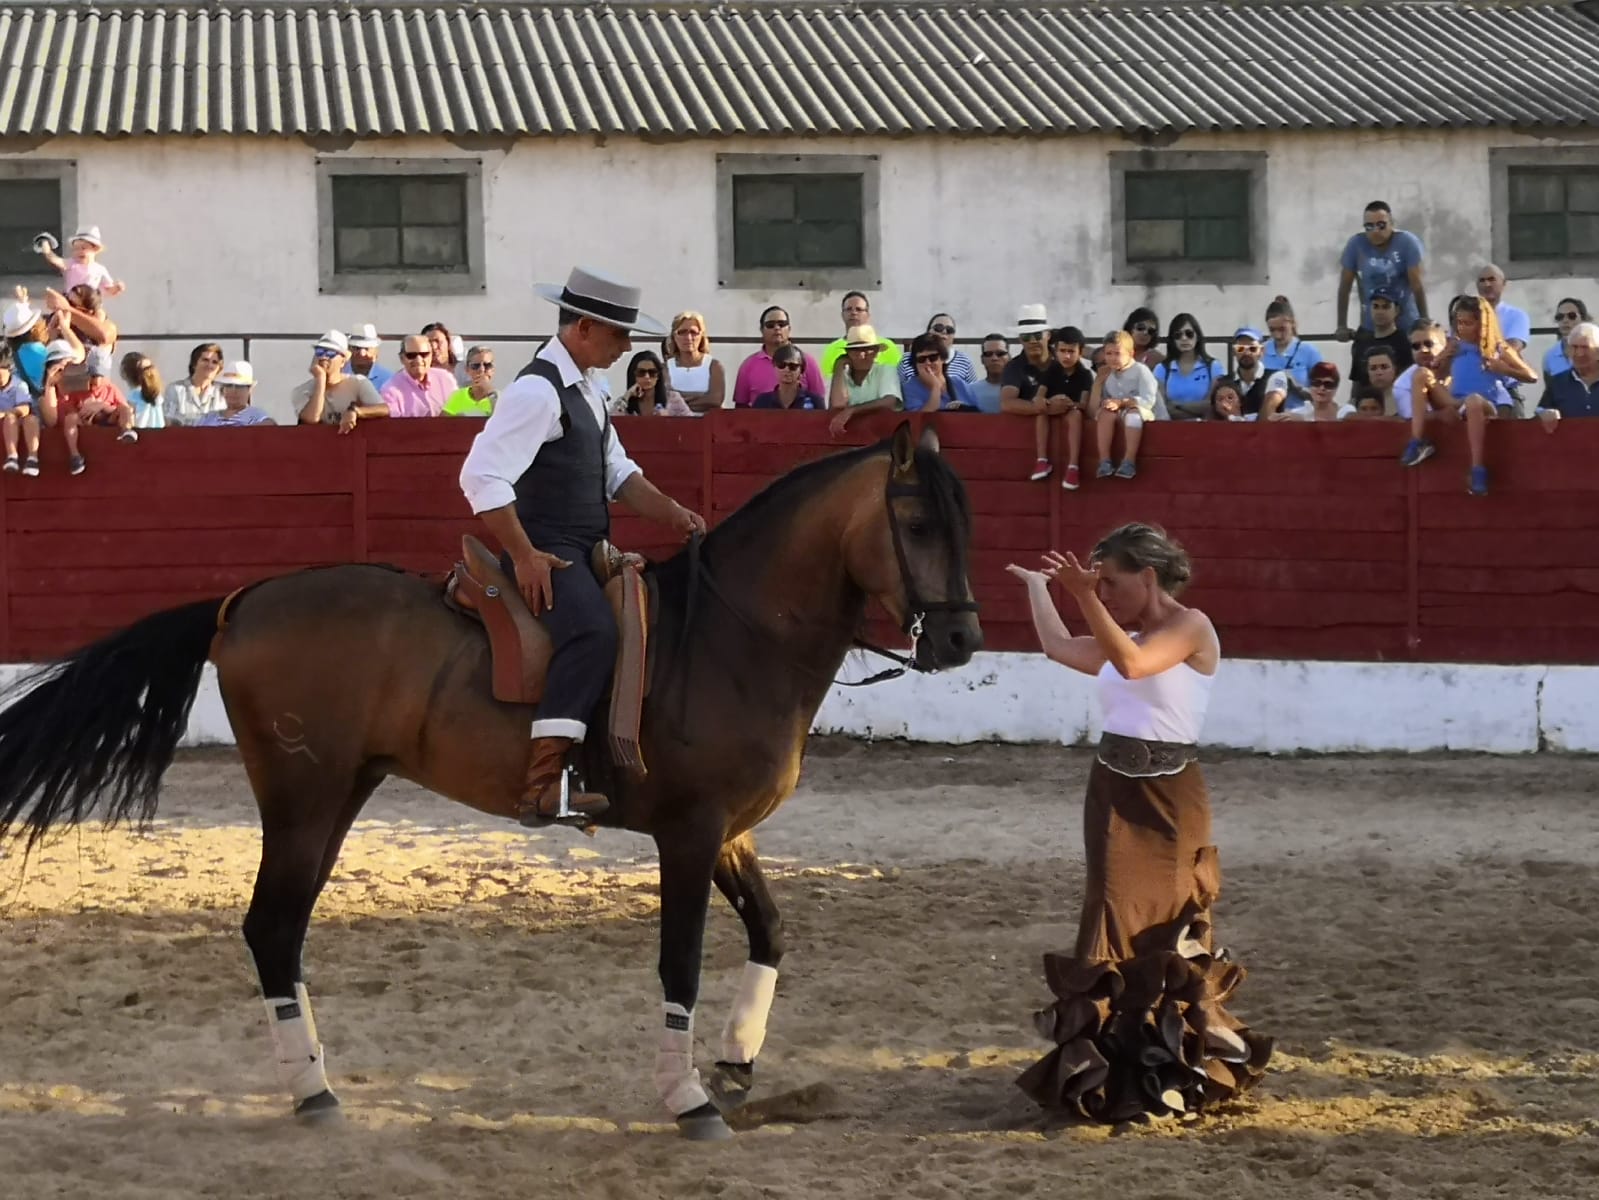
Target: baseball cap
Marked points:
1385	293
1248	334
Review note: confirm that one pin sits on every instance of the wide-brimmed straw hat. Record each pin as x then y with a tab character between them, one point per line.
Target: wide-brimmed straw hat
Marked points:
591	294
19	317
1031	318
863	337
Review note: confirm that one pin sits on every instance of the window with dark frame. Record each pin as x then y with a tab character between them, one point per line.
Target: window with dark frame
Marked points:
28	207
1187	216
796	221
1554	212
392	223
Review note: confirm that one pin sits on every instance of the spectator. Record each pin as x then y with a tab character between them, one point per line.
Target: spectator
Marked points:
1370	403
1124	396
477	398
1568	314
1324	405
1384	333
238	386
420	389
957	363
1227	400
89	320
1286	353
648	394
1264	392
1068	383
186	401
758	374
19	415
27	333
96	402
995	355
856	310
144	390
1382	369
691	370
1514	323
84	267
1187	373
1383	256
933	387
1572	393
330	396
1023	391
862	381
792	391
364	346
446	348
1144	326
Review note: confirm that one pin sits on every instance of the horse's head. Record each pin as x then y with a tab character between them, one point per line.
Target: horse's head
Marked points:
909	550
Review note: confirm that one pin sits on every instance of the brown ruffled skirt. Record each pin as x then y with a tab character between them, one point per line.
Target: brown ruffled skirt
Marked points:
1138	1022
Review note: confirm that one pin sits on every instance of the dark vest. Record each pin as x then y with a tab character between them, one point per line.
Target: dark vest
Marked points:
560	499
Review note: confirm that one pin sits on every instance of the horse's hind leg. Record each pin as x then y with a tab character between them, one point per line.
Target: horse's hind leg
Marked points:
302	830
738	876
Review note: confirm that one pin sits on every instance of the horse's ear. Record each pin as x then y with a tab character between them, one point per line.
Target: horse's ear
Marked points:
904	451
929	440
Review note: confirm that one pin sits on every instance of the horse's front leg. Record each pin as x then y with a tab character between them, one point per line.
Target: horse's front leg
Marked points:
738	876
688	857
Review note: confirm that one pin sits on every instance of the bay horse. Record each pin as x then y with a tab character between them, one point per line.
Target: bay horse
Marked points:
337	677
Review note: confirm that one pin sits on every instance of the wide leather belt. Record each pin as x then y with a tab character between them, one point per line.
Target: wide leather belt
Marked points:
1138	758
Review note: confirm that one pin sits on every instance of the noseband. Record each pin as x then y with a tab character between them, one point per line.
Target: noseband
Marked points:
916	608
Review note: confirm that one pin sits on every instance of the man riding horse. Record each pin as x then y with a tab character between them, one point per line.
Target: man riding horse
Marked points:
542	474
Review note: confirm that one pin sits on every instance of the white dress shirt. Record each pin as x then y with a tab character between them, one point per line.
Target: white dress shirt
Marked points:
528	416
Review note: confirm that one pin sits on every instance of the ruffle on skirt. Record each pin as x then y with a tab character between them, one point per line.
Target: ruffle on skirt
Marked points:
1145	1035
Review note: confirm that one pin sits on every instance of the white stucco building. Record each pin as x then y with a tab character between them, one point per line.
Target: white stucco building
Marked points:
291	168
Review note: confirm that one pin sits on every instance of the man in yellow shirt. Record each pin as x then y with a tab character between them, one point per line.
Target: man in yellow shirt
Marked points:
477	398
857	311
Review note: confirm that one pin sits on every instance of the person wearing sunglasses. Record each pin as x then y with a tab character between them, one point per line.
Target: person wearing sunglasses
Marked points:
1381	256
757	374
957	363
477	398
1187	372
790	391
1569	313
419	389
1324	404
648	393
330	396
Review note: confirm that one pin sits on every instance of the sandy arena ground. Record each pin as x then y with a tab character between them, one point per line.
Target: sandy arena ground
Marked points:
1421	935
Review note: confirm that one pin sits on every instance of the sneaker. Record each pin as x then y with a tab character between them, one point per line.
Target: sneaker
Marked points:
1477	481
31	466
1106	470
128	435
1073	478
1417	451
12	465
1127	470
1041	470
75	465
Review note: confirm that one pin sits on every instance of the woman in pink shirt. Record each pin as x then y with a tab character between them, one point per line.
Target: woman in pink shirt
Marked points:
757	374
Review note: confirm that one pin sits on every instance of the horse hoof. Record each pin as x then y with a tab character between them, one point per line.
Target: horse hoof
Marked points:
731	1083
320	1109
703	1124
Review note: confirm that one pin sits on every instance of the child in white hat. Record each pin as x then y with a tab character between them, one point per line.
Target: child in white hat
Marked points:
84	267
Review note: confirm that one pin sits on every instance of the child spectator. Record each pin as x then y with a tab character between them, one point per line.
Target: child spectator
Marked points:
238	386
1124	396
19	415
1068	383
478	397
144	390
1187	372
1370	404
84	268
647	392
94	401
1227	401
27	333
791	391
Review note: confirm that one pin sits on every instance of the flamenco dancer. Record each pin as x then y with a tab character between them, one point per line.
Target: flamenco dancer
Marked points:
1137	1022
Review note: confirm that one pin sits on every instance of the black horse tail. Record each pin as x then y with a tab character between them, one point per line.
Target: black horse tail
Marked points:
101	726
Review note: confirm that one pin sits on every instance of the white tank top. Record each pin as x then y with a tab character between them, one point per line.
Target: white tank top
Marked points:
1168	707
690	379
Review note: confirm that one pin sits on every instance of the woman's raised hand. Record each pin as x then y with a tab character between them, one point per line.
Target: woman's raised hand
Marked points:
1054	564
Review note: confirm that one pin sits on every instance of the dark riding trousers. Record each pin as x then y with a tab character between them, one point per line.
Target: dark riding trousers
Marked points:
561	503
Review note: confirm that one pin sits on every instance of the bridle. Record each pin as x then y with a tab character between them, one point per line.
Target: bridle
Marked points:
916	608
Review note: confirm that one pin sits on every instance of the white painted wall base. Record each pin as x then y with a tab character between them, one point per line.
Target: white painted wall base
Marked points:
1261	705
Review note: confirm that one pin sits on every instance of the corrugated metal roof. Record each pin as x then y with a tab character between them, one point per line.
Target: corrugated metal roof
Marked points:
691	70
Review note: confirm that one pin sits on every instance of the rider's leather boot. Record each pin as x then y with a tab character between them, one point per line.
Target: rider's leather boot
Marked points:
546	777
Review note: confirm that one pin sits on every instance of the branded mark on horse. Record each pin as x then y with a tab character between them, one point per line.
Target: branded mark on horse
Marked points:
371	666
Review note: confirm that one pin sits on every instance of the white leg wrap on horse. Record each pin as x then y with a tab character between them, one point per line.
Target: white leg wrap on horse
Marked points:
300	1057
745	1031
676	1080
1132	419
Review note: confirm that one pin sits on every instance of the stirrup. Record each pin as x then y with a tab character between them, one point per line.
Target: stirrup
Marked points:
564	814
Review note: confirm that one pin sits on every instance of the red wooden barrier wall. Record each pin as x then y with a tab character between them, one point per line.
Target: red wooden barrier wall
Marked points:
1309	541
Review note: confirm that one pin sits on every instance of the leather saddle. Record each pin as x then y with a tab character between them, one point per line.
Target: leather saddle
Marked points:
520	647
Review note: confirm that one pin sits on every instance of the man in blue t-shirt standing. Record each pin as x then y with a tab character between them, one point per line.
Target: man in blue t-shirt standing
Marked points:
1383	256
